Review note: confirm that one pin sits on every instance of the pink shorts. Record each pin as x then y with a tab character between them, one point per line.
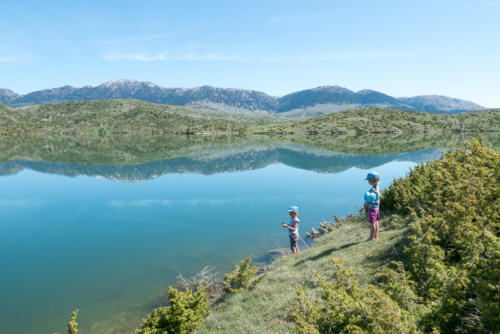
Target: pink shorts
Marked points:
373	215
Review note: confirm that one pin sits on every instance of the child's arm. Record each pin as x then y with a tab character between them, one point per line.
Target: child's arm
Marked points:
294	228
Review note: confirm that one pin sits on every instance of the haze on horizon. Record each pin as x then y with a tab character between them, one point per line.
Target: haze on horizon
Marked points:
444	47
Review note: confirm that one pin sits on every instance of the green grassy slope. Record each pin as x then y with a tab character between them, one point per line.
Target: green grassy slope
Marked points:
122	116
389	121
132	116
264	309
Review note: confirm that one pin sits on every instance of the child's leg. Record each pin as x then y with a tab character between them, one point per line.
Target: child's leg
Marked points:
371	221
375	234
294	245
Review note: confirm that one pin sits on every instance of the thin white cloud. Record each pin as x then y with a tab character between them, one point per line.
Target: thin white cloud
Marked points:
213	56
148	203
359	55
137	38
295	18
144	203
134	57
146	57
329	55
326	56
16	59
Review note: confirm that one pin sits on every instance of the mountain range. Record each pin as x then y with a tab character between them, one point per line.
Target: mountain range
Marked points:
309	102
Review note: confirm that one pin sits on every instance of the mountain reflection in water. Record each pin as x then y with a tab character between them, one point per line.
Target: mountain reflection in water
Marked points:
233	161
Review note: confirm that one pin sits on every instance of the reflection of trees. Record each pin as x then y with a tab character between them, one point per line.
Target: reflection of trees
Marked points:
129	150
211	164
379	144
127	158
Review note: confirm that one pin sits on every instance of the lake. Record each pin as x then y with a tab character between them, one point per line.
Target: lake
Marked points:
109	239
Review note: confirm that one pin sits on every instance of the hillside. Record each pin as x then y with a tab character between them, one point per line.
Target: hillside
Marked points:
266	308
305	103
121	116
376	120
137	117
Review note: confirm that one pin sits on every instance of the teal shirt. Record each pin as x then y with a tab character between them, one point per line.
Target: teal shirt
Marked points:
375	205
291	224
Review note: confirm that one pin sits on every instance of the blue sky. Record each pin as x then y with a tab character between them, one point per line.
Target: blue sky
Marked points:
402	48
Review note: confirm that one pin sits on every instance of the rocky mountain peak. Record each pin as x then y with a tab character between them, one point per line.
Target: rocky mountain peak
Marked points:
327	98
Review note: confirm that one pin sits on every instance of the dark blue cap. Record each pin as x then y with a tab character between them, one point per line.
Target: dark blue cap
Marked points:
372	175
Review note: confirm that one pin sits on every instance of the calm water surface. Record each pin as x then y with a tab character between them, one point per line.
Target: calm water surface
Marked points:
110	239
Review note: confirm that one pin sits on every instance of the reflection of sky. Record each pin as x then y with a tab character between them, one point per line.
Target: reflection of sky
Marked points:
107	245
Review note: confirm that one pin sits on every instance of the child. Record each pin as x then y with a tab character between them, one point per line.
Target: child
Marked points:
372	204
293	228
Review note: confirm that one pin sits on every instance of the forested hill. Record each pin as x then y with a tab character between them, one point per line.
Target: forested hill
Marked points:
133	116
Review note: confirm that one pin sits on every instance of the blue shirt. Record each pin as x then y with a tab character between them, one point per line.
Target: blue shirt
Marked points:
375	205
292	224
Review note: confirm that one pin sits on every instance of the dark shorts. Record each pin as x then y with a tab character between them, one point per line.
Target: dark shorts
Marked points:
293	241
373	215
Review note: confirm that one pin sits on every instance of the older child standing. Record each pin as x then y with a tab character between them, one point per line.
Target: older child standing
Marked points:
372	204
293	228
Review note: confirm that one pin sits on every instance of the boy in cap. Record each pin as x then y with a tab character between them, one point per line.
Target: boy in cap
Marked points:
293	228
372	204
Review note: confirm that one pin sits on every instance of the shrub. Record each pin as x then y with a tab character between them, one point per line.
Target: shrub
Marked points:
186	312
453	254
72	324
344	307
450	280
396	283
445	186
240	277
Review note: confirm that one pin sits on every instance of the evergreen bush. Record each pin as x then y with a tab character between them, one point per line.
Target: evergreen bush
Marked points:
72	324
344	307
240	277
453	256
448	279
186	312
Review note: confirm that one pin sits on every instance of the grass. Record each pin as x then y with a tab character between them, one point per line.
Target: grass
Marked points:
265	308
